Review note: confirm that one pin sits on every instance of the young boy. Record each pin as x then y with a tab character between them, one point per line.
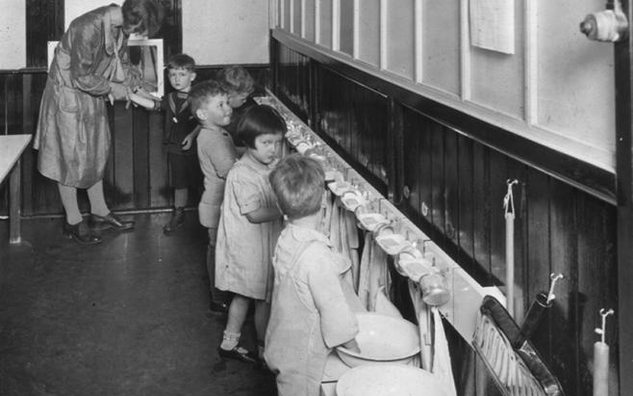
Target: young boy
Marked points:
310	314
240	86
217	154
180	134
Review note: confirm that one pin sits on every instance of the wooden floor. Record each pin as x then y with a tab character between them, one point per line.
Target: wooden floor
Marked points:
127	317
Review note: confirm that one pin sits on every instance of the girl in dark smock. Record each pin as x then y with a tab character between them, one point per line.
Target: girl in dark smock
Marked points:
91	65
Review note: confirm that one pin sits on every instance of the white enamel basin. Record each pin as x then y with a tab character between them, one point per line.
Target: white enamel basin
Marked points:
382	339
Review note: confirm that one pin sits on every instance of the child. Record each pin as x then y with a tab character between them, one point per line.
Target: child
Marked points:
180	134
217	154
240	86
249	226
310	313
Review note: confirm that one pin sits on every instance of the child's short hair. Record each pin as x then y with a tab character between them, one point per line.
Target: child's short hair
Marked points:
259	120
203	92
236	79
181	61
298	183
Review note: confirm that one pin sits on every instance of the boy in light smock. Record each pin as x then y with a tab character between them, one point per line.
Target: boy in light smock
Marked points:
310	313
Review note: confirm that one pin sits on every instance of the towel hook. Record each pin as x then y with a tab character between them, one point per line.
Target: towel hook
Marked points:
554	278
602	330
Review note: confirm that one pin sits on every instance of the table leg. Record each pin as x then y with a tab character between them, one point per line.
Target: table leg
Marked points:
14	204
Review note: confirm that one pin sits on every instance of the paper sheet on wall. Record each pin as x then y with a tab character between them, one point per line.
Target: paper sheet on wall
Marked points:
492	25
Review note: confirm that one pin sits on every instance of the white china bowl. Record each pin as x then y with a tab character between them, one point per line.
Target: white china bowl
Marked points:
389	380
382	339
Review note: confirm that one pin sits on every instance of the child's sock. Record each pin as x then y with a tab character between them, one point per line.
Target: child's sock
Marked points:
229	340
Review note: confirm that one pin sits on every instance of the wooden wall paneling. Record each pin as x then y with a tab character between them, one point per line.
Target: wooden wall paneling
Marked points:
373	115
597	286
44	22
418	168
497	190
171	30
346	27
308	23
325	23
538	244
140	149
160	193
345	126
12	103
411	149
465	198
564	260
120	185
295	18
287	16
482	206
436	207
27	123
518	171
451	187
393	163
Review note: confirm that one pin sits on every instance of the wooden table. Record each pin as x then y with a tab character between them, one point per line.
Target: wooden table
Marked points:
11	149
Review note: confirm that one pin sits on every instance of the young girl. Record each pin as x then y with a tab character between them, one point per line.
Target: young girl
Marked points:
250	223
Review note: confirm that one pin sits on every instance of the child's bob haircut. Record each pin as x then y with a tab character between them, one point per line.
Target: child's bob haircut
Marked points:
298	183
236	79
181	61
259	120
203	92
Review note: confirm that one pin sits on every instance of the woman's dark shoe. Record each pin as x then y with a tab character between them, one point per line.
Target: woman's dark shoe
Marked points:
110	221
238	353
176	221
81	233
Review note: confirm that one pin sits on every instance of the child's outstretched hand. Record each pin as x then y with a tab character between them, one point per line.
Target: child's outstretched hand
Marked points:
187	142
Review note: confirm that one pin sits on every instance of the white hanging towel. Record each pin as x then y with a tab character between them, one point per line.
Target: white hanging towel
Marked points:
363	281
424	326
385	307
441	357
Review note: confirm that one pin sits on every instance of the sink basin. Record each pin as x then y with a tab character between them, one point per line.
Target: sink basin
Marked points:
389	380
382	339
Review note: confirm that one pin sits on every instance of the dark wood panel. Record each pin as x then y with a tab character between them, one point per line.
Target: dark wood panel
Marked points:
354	120
518	171
597	284
140	156
159	192
44	23
482	207
437	205
451	188
465	201
497	190
564	239
538	245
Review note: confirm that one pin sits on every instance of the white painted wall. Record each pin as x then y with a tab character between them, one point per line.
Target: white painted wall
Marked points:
225	31
557	88
13	35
